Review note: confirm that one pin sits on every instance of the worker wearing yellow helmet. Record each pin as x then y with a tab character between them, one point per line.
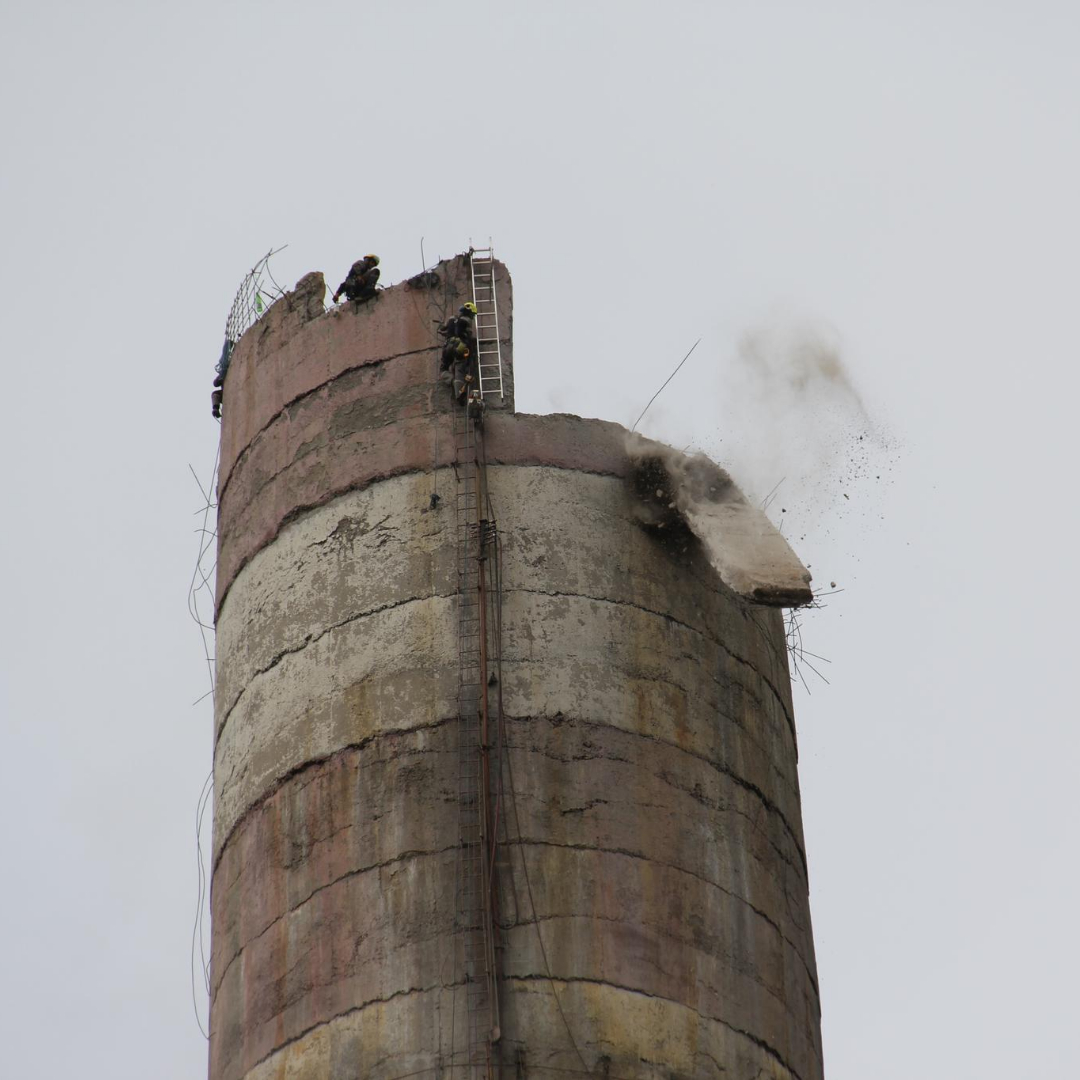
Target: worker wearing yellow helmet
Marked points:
360	282
462	325
459	352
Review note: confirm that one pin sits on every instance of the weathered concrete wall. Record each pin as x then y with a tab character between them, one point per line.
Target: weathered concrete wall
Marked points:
650	735
352	391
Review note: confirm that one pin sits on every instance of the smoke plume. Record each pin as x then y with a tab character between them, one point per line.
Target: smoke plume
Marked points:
793	422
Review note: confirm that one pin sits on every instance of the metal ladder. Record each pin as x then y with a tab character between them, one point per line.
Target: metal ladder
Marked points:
488	349
474	535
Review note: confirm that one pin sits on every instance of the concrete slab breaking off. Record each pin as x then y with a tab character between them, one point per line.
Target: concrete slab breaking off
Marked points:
682	491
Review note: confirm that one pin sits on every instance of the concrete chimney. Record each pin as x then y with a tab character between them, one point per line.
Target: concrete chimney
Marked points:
649	911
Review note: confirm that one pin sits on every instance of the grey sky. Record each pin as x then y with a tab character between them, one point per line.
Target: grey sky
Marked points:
901	178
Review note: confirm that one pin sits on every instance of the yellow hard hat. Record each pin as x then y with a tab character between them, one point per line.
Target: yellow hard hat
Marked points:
373	259
469	306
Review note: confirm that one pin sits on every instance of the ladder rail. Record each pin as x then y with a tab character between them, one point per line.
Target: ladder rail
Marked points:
487	332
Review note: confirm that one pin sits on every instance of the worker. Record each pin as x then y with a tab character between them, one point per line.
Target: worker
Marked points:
462	325
359	283
462	328
459	351
221	368
457	358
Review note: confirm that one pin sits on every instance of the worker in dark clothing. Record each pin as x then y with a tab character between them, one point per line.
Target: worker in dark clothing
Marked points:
221	368
360	282
458	359
459	353
462	325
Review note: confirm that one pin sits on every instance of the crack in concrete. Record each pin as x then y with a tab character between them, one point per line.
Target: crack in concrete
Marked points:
315	762
404	856
313	637
766	803
285	406
454	986
355	534
285	1043
519	843
585	806
678	622
739	781
756	1040
626	853
305	508
716	1064
764	750
299	511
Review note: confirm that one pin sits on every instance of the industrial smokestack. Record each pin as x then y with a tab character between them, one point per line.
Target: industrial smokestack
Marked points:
566	843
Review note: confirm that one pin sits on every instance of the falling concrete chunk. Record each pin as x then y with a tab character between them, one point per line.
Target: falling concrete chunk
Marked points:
748	552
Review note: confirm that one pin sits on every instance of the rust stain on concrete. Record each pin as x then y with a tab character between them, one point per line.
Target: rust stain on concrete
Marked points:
649	727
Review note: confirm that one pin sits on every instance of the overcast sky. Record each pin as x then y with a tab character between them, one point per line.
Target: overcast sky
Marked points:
894	183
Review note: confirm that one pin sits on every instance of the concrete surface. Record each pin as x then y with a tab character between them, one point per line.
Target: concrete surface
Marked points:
691	491
655	839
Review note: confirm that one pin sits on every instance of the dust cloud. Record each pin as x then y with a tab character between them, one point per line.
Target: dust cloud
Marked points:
793	428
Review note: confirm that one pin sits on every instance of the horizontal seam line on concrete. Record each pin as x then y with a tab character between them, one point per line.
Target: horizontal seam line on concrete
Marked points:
776	996
671	866
740	781
312	638
403	856
754	790
678	622
733	776
660	997
306	508
719	767
314	762
300	511
300	457
408	992
434	725
376	362
520	843
412	990
737	780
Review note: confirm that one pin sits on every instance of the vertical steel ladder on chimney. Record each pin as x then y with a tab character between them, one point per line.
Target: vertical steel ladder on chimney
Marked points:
475	536
489	351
